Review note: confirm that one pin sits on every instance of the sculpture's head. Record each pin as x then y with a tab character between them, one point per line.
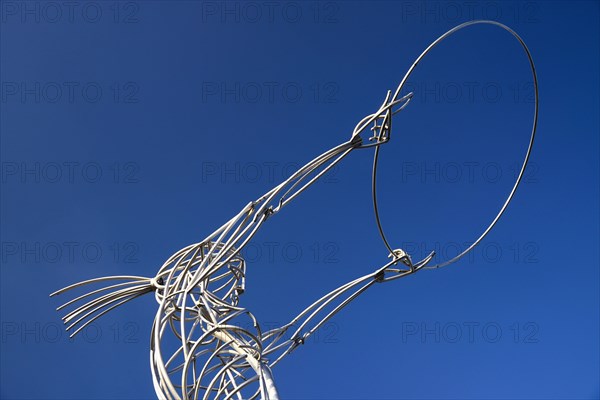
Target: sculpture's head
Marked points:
222	274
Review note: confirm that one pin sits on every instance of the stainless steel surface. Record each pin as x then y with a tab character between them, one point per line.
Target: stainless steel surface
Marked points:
203	344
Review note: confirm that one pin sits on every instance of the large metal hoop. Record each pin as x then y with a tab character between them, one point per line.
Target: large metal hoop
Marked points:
523	166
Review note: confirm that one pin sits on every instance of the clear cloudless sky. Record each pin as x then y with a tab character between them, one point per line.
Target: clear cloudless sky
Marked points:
130	129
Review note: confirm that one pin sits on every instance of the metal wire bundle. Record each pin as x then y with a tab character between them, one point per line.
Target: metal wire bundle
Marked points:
203	344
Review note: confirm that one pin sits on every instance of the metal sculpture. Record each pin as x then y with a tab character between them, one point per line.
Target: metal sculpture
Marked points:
220	351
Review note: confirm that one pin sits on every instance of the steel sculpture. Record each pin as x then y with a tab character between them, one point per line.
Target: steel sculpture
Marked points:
203	344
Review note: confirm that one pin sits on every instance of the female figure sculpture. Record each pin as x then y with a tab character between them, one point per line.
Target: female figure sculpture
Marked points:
220	350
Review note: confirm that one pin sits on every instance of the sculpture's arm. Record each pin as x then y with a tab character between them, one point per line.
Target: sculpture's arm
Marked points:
237	232
283	340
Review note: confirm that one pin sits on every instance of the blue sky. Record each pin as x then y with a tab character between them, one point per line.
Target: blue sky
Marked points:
132	129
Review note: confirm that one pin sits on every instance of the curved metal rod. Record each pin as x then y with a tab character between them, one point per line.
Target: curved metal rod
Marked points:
523	166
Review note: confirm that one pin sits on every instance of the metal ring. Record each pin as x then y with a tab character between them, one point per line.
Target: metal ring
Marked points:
525	161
